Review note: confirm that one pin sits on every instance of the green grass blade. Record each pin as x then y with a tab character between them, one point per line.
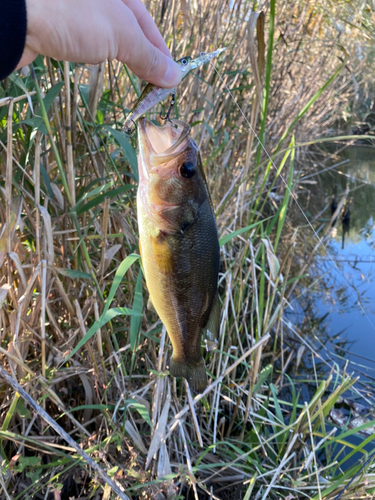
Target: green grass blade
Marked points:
141	409
100	198
126	147
109	314
135	322
123	267
284	206
264	374
104	318
72	273
225	239
251	487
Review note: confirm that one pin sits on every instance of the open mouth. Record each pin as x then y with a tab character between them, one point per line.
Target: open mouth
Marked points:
162	144
159	139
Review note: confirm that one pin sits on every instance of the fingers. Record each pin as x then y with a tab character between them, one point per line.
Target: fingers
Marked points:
147	25
127	33
142	57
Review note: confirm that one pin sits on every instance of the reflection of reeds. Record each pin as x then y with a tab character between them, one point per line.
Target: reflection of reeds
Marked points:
73	324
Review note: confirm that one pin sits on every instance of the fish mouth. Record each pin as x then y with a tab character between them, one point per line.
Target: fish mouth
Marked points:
159	145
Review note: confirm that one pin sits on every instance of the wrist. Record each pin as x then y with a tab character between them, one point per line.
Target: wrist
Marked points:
13	31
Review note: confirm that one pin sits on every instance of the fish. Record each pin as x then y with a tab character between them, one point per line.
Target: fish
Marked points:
179	243
152	94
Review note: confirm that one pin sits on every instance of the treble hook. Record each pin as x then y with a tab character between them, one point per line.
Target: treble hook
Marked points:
129	130
172	103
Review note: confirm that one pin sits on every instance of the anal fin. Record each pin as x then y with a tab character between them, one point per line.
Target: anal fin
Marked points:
150	305
211	329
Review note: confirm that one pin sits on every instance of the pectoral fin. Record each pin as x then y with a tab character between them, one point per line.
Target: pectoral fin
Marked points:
211	329
163	257
150	305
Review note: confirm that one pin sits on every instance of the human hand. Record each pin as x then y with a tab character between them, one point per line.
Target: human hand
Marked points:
92	31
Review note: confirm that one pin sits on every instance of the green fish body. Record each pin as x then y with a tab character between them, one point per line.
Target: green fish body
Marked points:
179	243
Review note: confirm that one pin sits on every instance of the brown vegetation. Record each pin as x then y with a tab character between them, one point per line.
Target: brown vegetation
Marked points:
70	286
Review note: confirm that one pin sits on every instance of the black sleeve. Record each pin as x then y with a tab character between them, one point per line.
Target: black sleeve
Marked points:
12	34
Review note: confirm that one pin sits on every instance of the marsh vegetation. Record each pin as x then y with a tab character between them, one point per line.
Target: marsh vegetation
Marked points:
74	327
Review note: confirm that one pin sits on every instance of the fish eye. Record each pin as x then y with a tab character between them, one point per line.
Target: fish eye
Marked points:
187	170
184	62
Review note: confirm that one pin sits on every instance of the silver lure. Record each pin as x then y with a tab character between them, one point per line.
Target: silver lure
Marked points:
152	94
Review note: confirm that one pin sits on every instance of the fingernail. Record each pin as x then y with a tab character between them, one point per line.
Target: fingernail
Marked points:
173	74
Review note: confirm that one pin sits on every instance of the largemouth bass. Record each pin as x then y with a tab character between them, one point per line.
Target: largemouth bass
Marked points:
178	242
152	94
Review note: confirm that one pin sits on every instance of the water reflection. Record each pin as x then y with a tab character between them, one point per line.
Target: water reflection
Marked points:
341	304
335	305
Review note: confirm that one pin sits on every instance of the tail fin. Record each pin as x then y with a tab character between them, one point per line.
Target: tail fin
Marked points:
195	373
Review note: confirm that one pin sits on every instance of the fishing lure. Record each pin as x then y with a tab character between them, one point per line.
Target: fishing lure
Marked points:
152	94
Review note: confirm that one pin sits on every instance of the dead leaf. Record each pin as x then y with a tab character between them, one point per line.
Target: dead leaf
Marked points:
89	396
159	432
110	253
15	214
57	194
135	436
164	465
4	292
272	260
257	57
47	236
300	352
17	262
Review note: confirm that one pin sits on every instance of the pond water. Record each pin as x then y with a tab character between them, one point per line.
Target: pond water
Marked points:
339	306
346	300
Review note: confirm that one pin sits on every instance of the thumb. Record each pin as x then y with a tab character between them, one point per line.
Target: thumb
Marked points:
27	58
146	60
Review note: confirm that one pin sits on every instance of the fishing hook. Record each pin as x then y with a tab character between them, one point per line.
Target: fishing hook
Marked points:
128	130
172	103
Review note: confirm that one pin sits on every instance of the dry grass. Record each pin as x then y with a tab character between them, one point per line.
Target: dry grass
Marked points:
68	270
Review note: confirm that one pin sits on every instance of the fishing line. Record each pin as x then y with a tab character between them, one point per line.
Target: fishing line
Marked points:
294	197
